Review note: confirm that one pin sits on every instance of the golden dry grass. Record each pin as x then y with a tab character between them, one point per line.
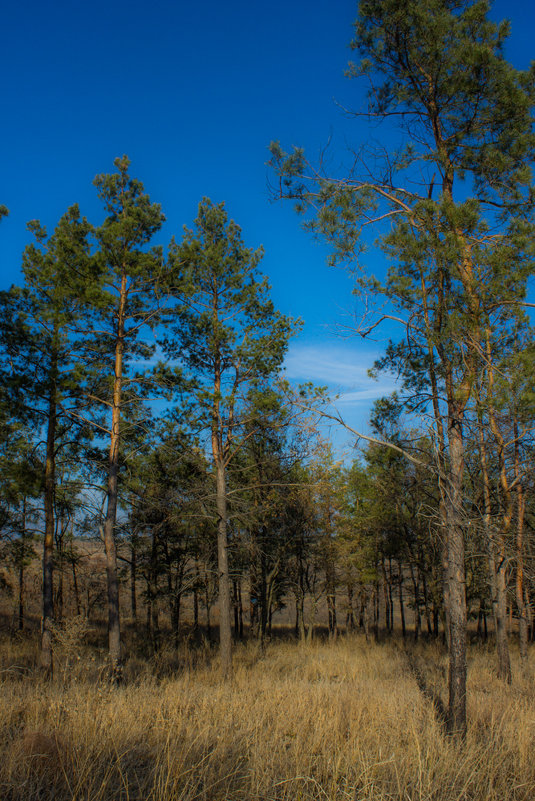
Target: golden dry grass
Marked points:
323	721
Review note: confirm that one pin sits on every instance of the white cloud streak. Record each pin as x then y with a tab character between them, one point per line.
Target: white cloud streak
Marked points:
343	371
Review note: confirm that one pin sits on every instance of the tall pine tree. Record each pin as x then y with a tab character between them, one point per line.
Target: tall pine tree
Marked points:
226	330
126	304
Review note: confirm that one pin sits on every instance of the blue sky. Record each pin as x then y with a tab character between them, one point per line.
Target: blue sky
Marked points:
194	94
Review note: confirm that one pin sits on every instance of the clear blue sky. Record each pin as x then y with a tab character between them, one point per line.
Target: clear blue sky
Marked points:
194	93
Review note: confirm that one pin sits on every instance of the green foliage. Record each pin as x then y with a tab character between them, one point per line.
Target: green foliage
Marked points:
124	306
224	327
129	273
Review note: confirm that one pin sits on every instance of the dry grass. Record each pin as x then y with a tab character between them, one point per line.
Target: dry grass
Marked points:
324	721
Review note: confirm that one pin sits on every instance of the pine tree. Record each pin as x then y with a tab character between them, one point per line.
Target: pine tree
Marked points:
226	330
452	204
38	342
125	303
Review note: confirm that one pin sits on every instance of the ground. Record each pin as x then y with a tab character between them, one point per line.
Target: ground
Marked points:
348	719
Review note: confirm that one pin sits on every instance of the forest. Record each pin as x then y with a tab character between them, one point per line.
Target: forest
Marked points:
201	596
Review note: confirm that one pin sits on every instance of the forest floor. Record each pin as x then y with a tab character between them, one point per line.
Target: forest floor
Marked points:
344	720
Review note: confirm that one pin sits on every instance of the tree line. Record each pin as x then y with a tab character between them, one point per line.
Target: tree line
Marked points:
81	369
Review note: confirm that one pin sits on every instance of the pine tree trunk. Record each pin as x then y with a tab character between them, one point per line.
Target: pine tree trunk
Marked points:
390	596
235	608
455	578
133	579
176	617
21	566
154	595
240	612
416	591
502	644
263	593
218	456
60	566
498	543
46	659
114	625
429	622
365	610
75	584
401	603
519	578
225	631
114	621
208	616
386	596
331	597
155	624
148	623
376	611
481	621
196	602
300	614
350	616
271	585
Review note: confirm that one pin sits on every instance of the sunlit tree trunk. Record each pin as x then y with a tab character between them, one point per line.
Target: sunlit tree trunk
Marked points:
456	592
46	658
114	621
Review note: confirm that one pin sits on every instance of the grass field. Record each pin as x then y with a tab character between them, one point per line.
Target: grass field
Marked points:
344	720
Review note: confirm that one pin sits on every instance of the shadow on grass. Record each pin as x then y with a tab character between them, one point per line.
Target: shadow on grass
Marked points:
440	710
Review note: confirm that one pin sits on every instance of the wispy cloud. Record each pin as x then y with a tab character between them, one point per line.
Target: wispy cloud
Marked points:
342	370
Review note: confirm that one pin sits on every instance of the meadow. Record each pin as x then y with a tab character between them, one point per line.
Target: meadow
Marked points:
342	720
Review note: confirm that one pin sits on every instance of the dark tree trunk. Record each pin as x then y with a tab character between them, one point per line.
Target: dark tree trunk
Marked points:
300	614
497	564
60	567
148	609
208	606
263	594
21	565
133	578
519	577
196	602
240	612
455	600
386	597
73	559
365	610
416	590
482	621
401	603
426	604
175	619
390	596
236	608
225	633
376	612
48	544
155	624
499	604
350	616
331	598
154	593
